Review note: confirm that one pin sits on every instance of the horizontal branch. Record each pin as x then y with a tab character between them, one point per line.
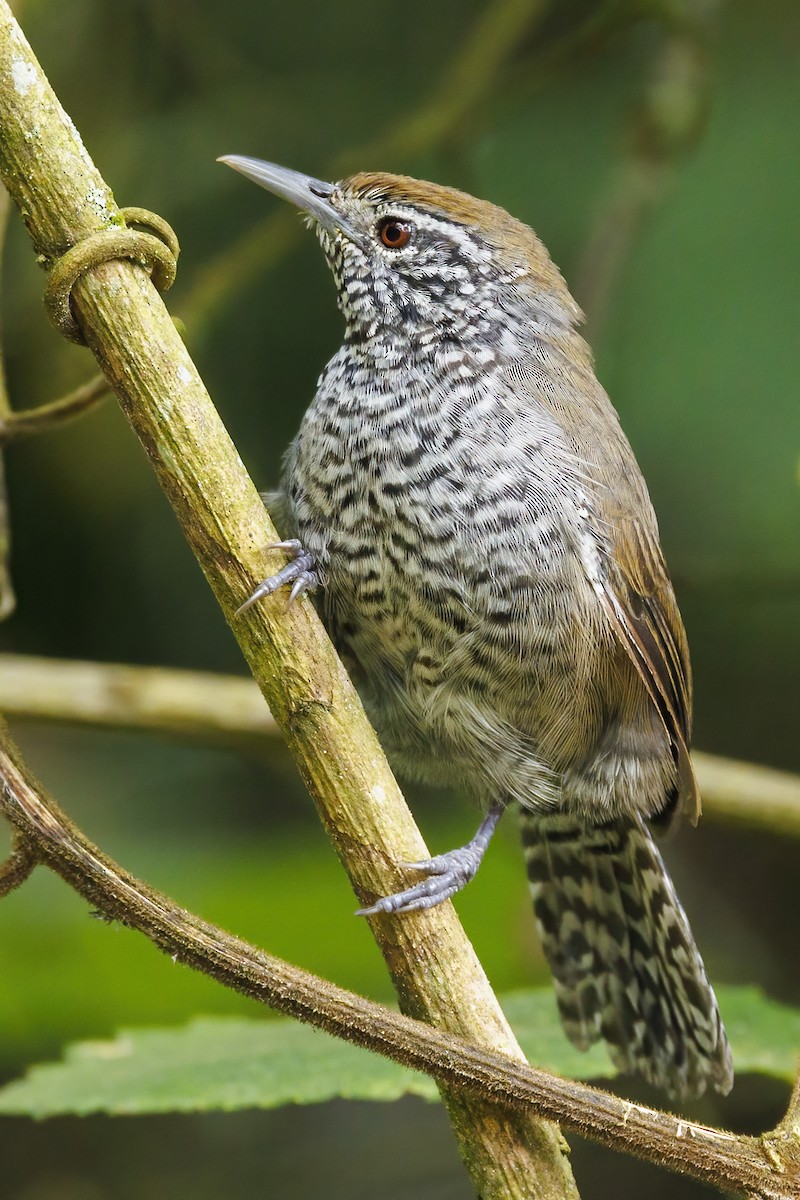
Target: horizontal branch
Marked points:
767	1167
749	795
231	710
194	704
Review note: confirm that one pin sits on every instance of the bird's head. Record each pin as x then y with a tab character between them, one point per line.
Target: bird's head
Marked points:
422	261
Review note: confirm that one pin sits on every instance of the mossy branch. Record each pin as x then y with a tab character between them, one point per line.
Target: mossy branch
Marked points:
63	200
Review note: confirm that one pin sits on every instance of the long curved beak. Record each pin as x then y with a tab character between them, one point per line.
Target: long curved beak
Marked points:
309	194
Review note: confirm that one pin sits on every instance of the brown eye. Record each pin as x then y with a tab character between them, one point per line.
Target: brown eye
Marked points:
394	234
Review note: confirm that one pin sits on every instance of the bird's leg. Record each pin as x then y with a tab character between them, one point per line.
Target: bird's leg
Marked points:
446	873
300	572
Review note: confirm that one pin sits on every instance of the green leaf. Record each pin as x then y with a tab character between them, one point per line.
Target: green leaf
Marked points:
533	1015
47	936
764	1035
222	1063
212	1063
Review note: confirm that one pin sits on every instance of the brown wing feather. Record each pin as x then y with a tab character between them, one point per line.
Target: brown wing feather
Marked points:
635	588
639	600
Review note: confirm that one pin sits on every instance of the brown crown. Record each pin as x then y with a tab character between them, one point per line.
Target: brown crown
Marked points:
515	243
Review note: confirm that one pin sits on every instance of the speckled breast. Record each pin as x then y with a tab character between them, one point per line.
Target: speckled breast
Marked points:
445	561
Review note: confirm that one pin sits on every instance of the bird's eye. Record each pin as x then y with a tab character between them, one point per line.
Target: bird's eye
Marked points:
394	234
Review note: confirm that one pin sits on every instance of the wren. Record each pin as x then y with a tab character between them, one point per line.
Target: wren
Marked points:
487	557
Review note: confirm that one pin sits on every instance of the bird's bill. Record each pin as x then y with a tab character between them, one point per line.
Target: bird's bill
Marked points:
308	194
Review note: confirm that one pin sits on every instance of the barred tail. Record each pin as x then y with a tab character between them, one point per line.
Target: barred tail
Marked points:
623	958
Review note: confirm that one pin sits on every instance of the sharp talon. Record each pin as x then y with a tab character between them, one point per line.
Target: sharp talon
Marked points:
250	601
298	587
444	877
445	874
299	572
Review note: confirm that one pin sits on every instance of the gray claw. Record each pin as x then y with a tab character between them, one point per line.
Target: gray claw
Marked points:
446	873
424	895
300	573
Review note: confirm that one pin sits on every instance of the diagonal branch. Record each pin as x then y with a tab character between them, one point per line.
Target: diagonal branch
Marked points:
766	1167
666	123
64	200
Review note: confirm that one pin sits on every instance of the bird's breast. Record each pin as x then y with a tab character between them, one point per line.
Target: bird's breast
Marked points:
437	510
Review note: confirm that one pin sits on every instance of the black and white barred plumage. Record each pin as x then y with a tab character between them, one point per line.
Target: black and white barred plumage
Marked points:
488	561
624	962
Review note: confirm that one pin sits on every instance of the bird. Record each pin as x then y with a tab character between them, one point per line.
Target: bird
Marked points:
464	503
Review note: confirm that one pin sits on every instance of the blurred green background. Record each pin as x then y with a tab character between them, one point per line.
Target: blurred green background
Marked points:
656	149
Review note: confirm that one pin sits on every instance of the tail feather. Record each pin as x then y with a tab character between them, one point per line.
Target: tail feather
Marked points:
625	966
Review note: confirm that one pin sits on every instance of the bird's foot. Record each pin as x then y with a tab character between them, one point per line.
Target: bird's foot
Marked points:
300	572
445	874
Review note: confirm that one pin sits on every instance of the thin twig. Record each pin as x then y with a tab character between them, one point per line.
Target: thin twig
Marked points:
762	1167
45	417
19	865
462	87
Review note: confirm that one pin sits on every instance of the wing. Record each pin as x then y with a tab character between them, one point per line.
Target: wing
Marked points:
637	595
633	584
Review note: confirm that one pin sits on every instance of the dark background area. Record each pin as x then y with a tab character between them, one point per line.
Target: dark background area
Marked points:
696	340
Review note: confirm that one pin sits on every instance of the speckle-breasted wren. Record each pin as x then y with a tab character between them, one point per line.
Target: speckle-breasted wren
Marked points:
487	557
